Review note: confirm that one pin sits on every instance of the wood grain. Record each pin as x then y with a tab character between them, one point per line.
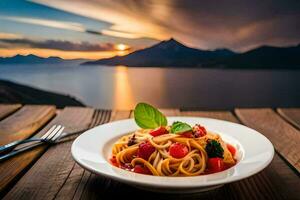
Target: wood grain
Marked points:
20	125
277	181
6	109
265	185
292	115
257	187
44	179
285	137
80	179
61	178
24	123
222	115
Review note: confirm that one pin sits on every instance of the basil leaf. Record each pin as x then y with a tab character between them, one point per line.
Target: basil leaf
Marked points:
180	127
146	116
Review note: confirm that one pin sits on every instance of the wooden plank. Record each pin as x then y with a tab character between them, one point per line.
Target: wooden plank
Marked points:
24	122
269	184
170	112
276	182
222	115
20	125
285	137
47	175
292	115
6	109
79	178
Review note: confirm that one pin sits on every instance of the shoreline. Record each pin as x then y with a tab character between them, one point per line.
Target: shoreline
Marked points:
11	92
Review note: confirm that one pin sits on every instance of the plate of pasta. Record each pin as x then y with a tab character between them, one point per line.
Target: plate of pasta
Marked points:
172	154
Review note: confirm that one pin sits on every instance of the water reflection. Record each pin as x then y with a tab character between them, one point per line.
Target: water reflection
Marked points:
122	87
123	97
149	85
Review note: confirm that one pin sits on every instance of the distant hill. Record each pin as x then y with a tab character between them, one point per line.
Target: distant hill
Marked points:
30	59
16	93
264	57
171	53
33	59
165	54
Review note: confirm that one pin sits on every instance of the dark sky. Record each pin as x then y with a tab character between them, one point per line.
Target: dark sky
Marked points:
98	25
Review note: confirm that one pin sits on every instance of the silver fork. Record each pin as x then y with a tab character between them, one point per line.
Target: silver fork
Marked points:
50	136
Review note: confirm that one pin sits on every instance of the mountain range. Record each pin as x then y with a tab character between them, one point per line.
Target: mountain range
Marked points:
30	59
33	59
172	53
266	57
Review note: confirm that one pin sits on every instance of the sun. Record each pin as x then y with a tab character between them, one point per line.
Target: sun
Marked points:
121	47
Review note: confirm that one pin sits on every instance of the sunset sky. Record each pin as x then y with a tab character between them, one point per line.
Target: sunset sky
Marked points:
103	28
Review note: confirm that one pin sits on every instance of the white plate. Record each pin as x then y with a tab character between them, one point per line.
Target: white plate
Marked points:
92	150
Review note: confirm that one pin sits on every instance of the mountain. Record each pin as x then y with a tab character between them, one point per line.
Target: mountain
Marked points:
266	57
172	53
30	59
16	93
165	54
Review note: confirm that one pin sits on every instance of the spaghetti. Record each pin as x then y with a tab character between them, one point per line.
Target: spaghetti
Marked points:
160	152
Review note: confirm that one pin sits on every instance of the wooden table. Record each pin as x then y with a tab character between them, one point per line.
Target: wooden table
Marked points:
49	172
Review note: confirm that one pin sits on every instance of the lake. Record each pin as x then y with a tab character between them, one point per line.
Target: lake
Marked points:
122	87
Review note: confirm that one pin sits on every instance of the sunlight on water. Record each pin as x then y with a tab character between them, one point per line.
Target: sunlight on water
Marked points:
123	97
121	87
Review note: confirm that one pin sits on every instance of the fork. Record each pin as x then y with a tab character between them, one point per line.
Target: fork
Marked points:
50	136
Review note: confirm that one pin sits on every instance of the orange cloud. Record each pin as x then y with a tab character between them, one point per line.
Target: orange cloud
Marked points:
63	54
128	23
10	36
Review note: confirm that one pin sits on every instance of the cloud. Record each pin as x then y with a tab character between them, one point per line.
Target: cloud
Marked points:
236	24
46	22
73	26
10	36
55	44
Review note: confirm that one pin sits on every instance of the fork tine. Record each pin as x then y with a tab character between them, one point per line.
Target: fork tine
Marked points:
48	132
58	134
53	132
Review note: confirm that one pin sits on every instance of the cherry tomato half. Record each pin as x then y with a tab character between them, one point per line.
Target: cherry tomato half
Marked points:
231	149
199	131
215	164
145	150
188	134
159	131
178	150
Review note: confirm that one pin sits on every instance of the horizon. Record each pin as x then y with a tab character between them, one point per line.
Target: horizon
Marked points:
101	29
128	52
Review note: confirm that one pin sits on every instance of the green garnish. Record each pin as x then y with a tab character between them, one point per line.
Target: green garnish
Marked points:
148	117
214	149
180	127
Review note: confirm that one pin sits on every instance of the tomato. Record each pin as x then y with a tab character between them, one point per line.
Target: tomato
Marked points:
141	169
159	131
199	131
113	161
215	164
188	134
145	150
231	149
178	150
